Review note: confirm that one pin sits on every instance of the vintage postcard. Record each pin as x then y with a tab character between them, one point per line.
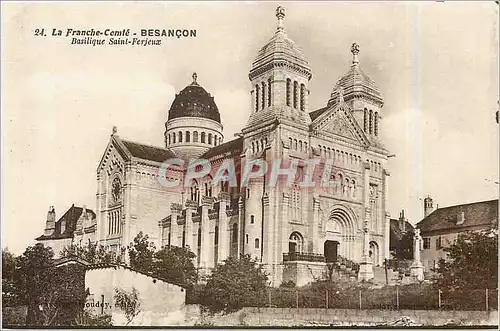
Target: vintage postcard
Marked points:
258	164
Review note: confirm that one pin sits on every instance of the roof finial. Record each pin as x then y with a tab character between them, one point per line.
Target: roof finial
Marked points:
355	52
195	76
114	131
280	14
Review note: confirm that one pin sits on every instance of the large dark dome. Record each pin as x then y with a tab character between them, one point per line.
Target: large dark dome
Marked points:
194	101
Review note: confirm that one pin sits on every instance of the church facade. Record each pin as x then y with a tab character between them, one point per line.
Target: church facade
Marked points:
292	230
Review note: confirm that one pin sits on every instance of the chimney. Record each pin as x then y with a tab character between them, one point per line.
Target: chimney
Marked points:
50	225
461	218
428	206
402	221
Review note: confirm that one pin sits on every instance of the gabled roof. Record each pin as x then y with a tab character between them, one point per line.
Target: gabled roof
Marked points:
481	213
233	146
147	152
71	216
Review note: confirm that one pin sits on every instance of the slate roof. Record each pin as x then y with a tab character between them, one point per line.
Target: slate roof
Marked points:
194	101
317	113
481	213
233	146
71	216
148	152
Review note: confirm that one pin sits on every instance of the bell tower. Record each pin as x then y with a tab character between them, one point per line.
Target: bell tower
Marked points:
279	78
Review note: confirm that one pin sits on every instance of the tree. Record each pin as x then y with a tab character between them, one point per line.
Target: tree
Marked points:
404	250
92	253
233	284
54	295
472	262
128	302
141	252
10	290
175	264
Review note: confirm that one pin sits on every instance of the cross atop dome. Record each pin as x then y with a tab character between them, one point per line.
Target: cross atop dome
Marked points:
195	76
355	52
280	14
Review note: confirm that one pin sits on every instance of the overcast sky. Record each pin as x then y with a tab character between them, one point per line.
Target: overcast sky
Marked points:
436	64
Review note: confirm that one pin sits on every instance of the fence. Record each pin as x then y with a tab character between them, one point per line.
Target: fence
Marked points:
414	297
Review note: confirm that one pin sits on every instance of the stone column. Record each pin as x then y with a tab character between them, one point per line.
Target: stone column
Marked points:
387	221
285	232
366	265
223	227
317	247
175	227
207	252
417	269
241	226
190	241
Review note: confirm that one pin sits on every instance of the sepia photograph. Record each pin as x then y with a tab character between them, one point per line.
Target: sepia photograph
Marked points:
327	164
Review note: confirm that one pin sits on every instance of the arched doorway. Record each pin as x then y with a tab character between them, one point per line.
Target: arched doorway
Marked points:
331	251
374	253
341	227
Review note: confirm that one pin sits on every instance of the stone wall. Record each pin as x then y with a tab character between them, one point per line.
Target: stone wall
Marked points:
160	302
340	317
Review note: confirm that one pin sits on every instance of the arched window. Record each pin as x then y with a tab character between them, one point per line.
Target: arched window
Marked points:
215	140
252	219
206	189
210	139
253	147
269	92
295	94
263	95
203	137
371	122
194	191
188	136
248	193
295	144
290	140
353	188
257	244
296	243
302	97
376	124
180	136
173	138
246	238
365	120
195	136
300	145
288	91
257	92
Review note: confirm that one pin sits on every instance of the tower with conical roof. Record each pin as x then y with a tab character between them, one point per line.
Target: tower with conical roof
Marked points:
193	124
279	76
362	95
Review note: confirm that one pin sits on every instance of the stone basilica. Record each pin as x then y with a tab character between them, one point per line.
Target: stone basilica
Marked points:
292	231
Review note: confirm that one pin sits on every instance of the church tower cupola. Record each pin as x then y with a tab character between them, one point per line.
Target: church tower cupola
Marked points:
362	95
279	76
193	124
